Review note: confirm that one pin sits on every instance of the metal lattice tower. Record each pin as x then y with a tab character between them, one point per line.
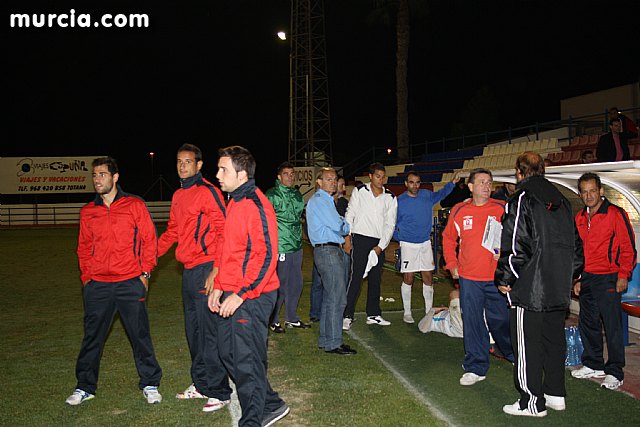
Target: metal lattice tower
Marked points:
309	124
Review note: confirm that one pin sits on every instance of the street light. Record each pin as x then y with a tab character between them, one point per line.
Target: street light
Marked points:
282	35
151	154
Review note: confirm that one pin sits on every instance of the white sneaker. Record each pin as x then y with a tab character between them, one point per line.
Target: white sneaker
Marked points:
152	395
377	320
469	378
514	409
555	402
346	323
611	382
214	404
191	393
587	372
408	318
78	396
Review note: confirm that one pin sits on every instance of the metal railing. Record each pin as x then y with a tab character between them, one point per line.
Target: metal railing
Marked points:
575	126
62	214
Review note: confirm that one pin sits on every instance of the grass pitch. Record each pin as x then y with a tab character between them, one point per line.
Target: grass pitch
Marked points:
399	377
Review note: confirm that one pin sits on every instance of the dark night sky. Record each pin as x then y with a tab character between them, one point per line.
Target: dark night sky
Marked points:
214	74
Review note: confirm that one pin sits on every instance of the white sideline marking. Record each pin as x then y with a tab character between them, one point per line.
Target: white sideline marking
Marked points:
234	406
404	381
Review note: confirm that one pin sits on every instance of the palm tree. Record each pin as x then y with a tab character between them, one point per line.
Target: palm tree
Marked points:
383	10
402	89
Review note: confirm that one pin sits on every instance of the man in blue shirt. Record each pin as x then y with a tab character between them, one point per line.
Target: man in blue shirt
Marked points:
413	231
326	230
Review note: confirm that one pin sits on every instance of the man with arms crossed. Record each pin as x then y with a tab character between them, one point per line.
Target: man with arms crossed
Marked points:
196	222
117	250
372	217
540	254
245	290
413	231
326	229
288	205
609	259
474	266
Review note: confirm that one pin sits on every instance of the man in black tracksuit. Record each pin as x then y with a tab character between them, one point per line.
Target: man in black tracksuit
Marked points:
541	254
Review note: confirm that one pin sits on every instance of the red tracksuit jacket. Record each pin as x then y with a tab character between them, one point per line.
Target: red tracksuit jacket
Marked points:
116	243
196	222
609	241
250	251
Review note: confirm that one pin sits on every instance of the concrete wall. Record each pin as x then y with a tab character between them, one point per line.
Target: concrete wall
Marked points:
623	97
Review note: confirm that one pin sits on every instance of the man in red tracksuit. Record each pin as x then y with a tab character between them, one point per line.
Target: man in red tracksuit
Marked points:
116	251
245	289
610	257
196	223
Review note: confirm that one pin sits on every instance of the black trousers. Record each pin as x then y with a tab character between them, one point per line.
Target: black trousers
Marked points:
207	372
600	306
101	302
540	350
242	342
361	246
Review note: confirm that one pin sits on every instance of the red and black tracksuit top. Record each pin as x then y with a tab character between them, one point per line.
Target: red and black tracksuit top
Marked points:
196	222
608	239
250	250
118	242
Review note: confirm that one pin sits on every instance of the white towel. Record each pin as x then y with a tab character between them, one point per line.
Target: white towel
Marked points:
371	262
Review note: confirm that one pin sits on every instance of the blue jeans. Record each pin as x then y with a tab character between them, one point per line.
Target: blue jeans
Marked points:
330	262
316	287
480	300
316	294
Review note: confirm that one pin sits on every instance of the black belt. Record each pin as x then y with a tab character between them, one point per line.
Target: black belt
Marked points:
328	244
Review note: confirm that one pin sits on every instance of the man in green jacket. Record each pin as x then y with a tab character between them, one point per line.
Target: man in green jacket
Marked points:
288	204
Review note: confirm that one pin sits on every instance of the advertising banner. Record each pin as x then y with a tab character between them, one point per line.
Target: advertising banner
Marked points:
306	181
39	175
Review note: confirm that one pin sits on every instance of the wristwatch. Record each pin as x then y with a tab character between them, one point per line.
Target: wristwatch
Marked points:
146	275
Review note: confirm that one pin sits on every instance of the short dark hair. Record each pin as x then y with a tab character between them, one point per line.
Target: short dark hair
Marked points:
241	159
377	166
530	164
590	176
109	161
617	119
192	149
474	172
584	154
285	165
411	172
341	177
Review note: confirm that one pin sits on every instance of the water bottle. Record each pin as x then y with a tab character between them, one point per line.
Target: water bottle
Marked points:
574	346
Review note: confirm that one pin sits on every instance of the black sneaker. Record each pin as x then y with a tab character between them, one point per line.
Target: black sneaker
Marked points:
275	416
343	350
495	352
314	319
275	327
297	325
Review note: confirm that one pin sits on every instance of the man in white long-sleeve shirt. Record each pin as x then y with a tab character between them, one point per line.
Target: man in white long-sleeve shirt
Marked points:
372	218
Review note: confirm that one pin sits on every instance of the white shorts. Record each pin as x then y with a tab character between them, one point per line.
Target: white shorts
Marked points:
416	257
